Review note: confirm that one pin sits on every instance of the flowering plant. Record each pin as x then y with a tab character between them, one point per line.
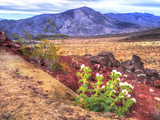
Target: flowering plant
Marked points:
104	99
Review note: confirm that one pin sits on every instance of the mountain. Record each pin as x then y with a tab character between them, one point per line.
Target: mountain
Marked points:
82	21
141	19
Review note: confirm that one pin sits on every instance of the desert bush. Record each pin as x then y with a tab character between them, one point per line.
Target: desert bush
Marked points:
47	52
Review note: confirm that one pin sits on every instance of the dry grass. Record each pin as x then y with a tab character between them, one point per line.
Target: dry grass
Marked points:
149	51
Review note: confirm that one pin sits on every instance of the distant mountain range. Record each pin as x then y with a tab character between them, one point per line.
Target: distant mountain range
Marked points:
82	21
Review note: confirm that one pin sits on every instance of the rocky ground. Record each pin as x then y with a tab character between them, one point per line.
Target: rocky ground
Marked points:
29	93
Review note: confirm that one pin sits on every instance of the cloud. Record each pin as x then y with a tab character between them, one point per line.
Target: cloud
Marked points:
57	6
146	4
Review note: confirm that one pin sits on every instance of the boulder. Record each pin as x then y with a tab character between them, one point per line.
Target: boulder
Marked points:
134	65
4	40
87	56
127	65
136	61
105	59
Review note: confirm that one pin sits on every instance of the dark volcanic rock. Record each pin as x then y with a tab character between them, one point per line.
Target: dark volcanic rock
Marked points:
138	71
136	60
128	65
151	73
134	65
105	59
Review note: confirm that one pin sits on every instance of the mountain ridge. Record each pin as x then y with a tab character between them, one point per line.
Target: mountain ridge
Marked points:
82	21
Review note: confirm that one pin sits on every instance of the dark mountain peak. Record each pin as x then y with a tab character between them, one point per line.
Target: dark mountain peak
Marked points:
86	8
83	9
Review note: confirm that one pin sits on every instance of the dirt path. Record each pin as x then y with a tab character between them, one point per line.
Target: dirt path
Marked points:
28	93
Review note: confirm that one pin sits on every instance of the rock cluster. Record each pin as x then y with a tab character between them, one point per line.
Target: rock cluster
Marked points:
134	66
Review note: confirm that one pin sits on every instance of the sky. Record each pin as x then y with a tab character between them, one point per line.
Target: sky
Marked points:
20	9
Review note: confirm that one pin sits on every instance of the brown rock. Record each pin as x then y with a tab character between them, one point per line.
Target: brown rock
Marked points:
157	83
138	71
151	73
127	65
136	60
40	82
134	65
105	59
75	64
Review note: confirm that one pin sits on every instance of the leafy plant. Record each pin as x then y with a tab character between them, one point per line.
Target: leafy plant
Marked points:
104	99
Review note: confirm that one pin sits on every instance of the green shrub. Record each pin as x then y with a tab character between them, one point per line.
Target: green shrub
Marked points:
104	99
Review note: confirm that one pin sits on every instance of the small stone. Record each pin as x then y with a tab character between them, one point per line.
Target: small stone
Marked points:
157	83
40	82
143	75
138	71
157	98
138	75
128	71
151	90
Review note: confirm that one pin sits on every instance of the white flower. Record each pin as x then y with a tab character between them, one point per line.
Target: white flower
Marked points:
101	75
122	97
125	92
97	74
131	86
125	83
121	83
82	66
107	83
103	86
114	71
119	73
133	99
129	95
125	76
114	91
119	79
